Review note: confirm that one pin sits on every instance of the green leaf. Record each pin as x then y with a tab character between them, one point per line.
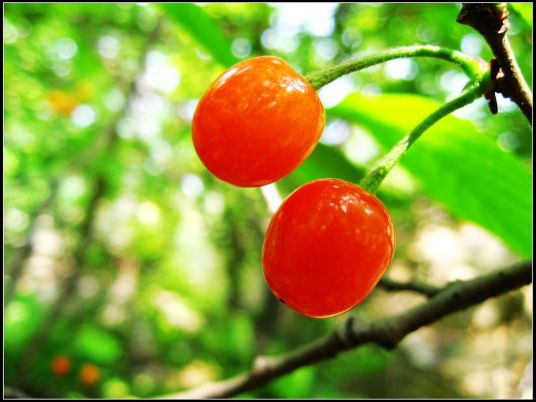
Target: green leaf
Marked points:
239	338
97	345
366	361
23	316
325	161
524	10
194	20
457	166
297	384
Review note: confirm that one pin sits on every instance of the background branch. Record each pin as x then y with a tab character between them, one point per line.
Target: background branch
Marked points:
413	285
491	21
14	272
387	333
86	228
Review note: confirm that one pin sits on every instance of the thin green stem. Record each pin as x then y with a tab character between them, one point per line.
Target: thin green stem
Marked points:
379	171
469	65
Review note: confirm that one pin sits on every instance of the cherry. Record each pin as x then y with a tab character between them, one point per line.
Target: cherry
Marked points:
61	365
326	247
89	374
257	122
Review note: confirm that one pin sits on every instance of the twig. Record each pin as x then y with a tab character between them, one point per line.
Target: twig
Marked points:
271	195
491	21
387	333
414	285
469	65
385	164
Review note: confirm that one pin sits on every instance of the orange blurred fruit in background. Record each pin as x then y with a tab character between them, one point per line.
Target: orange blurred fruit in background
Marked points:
61	365
62	102
89	374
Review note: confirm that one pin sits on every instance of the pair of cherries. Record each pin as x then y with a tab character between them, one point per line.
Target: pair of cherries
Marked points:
330	241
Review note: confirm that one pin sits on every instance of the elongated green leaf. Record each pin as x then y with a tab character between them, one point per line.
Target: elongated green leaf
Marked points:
324	162
194	20
524	10
456	165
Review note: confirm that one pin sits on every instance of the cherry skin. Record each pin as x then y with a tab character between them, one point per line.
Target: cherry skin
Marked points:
257	122
326	247
89	374
61	365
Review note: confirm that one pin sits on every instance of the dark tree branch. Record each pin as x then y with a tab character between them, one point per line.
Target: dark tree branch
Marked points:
110	141
69	286
491	21
16	270
387	333
414	286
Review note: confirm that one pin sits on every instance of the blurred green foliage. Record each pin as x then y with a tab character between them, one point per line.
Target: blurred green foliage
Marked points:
121	250
469	189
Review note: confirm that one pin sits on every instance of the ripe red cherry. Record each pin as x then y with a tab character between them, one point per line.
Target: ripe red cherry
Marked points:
257	122
89	374
326	247
61	365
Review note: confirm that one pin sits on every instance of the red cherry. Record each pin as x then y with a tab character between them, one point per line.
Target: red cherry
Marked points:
326	247
89	374
61	365
257	122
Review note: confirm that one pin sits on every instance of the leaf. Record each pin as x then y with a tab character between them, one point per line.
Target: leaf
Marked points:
97	345
325	161
239	339
328	161
524	10
23	316
366	361
457	166
297	384
202	28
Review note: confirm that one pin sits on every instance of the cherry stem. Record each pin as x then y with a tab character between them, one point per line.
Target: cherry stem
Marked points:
478	74
469	65
271	195
379	171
